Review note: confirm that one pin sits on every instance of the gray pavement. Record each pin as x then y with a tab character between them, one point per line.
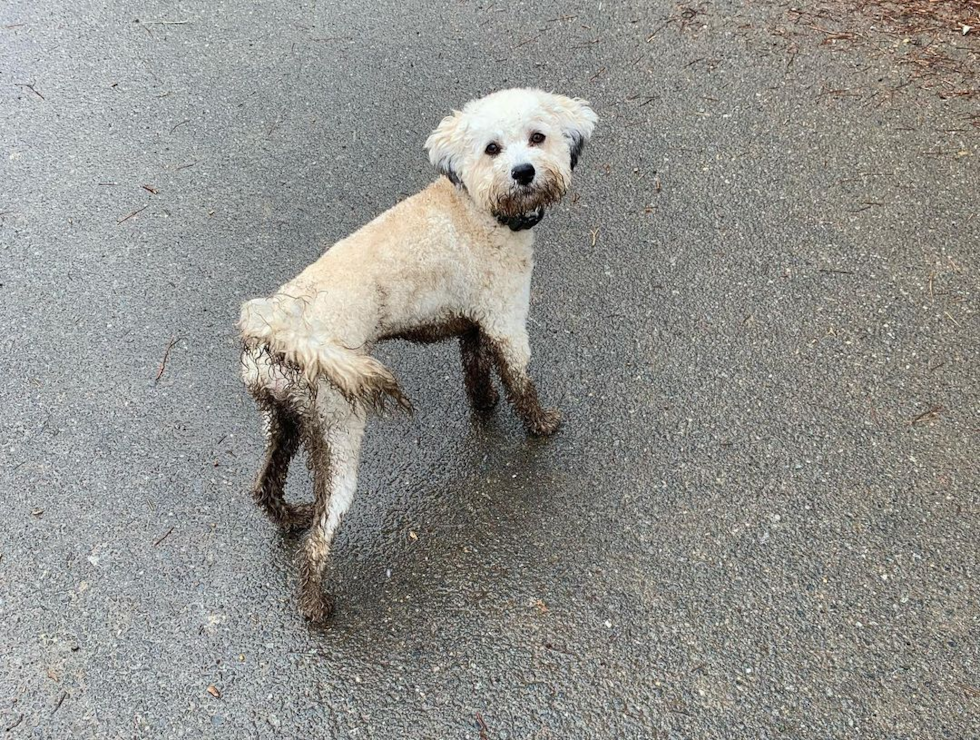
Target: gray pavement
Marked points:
758	312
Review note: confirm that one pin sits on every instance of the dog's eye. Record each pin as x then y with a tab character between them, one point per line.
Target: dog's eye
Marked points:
493	149
537	138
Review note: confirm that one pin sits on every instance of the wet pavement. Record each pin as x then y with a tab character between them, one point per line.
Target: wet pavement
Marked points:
757	311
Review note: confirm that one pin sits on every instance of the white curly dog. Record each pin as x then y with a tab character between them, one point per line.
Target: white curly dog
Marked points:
454	260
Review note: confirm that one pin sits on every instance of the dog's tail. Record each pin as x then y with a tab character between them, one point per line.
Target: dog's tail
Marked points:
283	325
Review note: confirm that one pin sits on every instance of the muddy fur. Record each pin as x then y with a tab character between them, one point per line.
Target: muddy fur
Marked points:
314	603
453	326
283	437
477	355
527	200
523	395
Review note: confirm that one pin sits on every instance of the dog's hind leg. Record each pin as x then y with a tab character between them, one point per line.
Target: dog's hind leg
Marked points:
333	440
477	366
282	441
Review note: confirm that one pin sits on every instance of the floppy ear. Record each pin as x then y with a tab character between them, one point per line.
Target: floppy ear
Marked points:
444	145
576	120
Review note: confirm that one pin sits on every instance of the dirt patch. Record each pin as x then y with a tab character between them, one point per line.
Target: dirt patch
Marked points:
934	43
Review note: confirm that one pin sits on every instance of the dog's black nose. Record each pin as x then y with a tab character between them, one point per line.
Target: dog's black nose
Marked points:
523	173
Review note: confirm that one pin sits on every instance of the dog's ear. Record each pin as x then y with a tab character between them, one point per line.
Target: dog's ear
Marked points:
444	145
576	120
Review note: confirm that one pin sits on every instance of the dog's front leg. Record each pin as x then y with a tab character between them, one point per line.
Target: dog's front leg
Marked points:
334	445
478	361
512	354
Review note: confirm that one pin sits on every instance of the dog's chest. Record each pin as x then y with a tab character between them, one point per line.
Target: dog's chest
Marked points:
510	253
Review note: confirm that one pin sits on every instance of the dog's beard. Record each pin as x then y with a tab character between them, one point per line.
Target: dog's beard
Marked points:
521	201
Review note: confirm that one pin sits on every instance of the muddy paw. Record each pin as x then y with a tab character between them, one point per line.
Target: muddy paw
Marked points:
545	423
297	518
315	605
487	400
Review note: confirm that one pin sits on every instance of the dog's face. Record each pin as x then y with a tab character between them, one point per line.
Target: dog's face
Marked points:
513	151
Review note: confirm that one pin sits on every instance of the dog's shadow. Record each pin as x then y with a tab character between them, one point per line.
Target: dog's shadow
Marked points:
442	530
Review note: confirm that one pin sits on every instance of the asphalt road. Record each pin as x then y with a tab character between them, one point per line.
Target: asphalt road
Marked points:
758	312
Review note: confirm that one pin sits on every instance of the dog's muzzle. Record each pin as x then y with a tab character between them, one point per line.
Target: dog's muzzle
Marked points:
523	221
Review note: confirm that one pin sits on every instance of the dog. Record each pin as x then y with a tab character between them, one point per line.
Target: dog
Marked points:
454	260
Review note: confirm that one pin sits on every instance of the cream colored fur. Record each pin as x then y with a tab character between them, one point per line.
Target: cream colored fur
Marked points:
438	255
431	258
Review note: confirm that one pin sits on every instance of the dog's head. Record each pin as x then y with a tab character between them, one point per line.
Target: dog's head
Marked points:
513	151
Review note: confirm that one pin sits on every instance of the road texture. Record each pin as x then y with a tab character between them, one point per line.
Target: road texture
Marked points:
758	312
